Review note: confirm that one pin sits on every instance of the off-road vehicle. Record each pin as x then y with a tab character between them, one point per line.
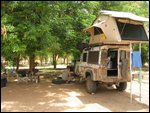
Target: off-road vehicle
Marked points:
108	64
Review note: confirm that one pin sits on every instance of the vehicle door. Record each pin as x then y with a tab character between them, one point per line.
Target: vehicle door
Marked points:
123	63
103	63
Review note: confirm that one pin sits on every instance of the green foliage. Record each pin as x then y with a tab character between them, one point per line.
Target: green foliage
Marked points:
54	27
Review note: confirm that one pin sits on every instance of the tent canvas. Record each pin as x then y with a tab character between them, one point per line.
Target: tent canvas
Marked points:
119	27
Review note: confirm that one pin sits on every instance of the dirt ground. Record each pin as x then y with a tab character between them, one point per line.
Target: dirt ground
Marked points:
46	96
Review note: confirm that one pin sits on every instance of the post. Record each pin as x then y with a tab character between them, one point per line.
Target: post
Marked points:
131	72
140	77
118	63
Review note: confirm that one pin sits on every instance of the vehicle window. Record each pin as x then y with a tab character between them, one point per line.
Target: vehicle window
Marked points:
84	57
132	32
93	57
113	54
97	31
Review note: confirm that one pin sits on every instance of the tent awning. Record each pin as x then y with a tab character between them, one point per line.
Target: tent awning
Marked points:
95	25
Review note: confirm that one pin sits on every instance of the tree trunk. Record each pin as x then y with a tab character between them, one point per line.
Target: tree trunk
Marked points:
54	61
41	61
67	60
64	60
17	62
46	60
31	62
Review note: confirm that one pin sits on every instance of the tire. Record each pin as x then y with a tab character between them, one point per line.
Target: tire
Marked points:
91	86
122	86
58	81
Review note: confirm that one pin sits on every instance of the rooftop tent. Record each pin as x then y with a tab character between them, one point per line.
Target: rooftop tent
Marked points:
121	27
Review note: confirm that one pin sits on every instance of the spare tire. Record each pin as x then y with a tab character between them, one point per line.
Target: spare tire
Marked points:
58	80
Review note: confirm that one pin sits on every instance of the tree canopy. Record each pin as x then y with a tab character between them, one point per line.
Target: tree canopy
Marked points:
42	27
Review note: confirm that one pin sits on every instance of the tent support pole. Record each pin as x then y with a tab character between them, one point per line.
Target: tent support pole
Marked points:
140	76
131	72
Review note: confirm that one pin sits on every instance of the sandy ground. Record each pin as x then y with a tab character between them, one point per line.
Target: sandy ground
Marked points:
46	96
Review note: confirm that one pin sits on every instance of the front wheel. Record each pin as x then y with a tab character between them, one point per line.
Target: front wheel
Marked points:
121	86
91	85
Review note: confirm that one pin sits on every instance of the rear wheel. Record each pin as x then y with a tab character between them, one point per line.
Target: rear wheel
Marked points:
121	86
91	86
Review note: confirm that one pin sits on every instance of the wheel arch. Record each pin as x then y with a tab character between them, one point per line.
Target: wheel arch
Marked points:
89	73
